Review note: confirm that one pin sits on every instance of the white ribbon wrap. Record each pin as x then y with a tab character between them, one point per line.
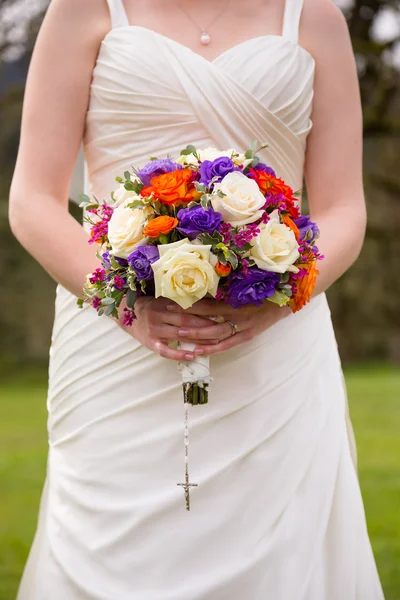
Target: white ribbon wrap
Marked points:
196	371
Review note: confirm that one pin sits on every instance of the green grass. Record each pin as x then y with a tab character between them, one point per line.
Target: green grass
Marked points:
375	407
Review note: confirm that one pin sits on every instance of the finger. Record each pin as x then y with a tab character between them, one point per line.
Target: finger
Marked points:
214	332
199	347
206	308
184	321
165	351
231	342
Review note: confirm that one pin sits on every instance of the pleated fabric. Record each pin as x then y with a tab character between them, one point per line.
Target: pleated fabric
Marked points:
278	513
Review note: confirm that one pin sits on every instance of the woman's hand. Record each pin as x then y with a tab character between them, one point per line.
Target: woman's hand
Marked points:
155	327
245	323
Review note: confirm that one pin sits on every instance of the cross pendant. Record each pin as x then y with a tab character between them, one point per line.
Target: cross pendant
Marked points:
186	486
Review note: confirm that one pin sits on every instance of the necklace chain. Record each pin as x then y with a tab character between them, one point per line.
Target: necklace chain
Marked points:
205	37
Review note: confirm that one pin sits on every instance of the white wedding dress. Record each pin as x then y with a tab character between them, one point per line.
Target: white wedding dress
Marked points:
277	514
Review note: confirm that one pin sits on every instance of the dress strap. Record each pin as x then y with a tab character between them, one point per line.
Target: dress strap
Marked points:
119	18
291	20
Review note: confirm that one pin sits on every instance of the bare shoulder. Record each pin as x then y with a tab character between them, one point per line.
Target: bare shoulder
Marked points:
323	27
87	19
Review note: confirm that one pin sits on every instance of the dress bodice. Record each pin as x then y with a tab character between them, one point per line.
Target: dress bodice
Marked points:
151	95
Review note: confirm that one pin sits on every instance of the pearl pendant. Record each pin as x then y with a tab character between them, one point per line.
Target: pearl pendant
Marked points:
205	38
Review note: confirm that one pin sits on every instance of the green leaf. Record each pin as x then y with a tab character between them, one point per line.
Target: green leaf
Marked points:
200	187
164	209
249	154
255	162
205	201
279	298
285	277
129	187
136	204
211	240
106	301
192	149
192	204
80	302
233	259
84	198
110	309
127	176
254	146
119	180
163	239
116	266
100	312
221	257
131	297
174	235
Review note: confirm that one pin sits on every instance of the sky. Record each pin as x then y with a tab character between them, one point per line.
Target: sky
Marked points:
386	26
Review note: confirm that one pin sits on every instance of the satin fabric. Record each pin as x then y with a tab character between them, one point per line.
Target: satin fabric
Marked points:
278	512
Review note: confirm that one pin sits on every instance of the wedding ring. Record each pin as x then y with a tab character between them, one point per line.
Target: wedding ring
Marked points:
233	326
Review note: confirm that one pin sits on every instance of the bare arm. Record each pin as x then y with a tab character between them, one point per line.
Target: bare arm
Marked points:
55	105
56	100
334	150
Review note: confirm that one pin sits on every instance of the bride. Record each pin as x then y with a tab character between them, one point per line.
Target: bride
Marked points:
277	514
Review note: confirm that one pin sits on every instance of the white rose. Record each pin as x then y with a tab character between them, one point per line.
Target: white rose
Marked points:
125	229
213	153
276	248
184	273
188	159
243	201
121	194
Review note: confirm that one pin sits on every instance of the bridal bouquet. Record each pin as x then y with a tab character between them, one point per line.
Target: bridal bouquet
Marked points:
212	223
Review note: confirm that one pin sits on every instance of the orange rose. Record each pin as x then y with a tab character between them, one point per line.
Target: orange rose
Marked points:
269	183
159	226
305	287
172	188
223	270
289	223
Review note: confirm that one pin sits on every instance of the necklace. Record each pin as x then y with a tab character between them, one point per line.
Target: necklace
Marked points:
205	37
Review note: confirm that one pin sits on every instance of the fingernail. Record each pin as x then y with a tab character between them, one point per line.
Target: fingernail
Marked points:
199	351
183	332
171	306
189	356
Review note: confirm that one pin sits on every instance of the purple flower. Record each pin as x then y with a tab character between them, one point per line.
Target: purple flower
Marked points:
107	262
263	167
308	229
252	288
157	167
193	221
141	260
217	168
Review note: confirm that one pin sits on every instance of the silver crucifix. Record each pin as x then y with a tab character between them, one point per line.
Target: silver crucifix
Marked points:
187	485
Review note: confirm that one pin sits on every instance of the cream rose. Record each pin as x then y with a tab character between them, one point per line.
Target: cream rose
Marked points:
121	194
242	202
125	229
276	248
184	273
